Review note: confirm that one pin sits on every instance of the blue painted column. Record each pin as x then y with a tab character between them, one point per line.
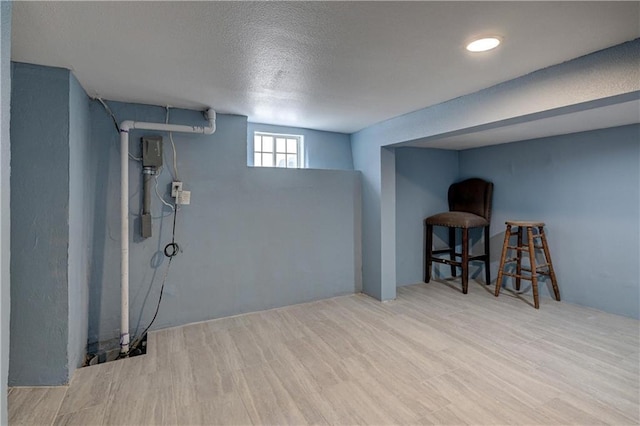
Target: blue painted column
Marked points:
5	96
39	226
388	223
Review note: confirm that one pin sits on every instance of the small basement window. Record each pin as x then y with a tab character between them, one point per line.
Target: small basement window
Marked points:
277	150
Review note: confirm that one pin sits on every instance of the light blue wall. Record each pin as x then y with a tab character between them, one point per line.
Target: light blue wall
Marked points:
80	222
39	225
252	238
323	150
607	77
423	177
5	154
585	187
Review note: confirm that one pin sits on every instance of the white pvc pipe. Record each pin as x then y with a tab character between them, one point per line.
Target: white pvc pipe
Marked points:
125	126
124	240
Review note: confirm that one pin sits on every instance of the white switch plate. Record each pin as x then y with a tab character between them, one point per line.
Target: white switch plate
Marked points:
184	197
176	188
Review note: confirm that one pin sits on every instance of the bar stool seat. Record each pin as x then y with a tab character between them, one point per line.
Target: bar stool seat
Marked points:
530	248
458	220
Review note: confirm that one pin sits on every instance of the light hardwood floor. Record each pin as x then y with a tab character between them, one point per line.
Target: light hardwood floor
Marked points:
433	356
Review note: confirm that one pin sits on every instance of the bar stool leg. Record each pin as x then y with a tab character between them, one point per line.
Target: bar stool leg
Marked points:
547	255
428	244
487	260
534	273
503	258
519	262
465	260
452	247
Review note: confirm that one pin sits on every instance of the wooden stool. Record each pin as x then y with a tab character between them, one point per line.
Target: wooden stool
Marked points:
535	270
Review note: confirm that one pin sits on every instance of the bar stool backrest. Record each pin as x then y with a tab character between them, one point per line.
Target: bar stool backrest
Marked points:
472	196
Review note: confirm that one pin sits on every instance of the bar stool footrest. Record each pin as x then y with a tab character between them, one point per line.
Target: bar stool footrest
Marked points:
441	251
446	261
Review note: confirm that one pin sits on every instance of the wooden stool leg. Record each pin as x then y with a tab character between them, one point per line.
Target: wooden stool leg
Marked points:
465	260
547	255
428	247
505	246
532	262
487	261
452	247
519	257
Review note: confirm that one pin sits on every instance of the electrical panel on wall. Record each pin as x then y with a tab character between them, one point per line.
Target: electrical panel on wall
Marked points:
152	151
151	163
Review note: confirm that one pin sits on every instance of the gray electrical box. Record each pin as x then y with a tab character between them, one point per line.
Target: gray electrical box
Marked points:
152	151
145	225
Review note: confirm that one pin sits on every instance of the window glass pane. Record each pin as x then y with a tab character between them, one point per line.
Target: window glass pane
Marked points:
267	144
292	146
277	150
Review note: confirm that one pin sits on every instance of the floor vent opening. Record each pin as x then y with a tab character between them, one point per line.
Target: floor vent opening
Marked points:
114	354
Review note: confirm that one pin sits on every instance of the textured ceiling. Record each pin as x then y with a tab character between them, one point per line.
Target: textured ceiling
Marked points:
337	66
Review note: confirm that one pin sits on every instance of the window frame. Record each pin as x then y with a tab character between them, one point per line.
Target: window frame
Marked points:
300	157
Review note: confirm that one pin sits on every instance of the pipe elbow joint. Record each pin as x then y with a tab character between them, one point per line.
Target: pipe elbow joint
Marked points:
210	115
127	125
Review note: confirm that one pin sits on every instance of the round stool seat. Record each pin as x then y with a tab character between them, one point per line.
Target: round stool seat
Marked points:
523	223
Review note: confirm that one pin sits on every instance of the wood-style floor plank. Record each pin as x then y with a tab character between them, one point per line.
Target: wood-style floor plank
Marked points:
88	388
92	416
35	405
432	356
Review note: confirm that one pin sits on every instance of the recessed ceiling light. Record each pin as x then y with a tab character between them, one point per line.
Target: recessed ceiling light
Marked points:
483	44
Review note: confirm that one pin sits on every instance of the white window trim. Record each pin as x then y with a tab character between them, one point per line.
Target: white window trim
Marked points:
301	154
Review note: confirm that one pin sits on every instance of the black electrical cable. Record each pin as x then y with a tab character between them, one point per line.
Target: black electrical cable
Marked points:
113	117
172	245
115	123
170	254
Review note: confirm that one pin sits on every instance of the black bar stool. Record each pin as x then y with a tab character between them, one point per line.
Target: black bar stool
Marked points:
469	207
